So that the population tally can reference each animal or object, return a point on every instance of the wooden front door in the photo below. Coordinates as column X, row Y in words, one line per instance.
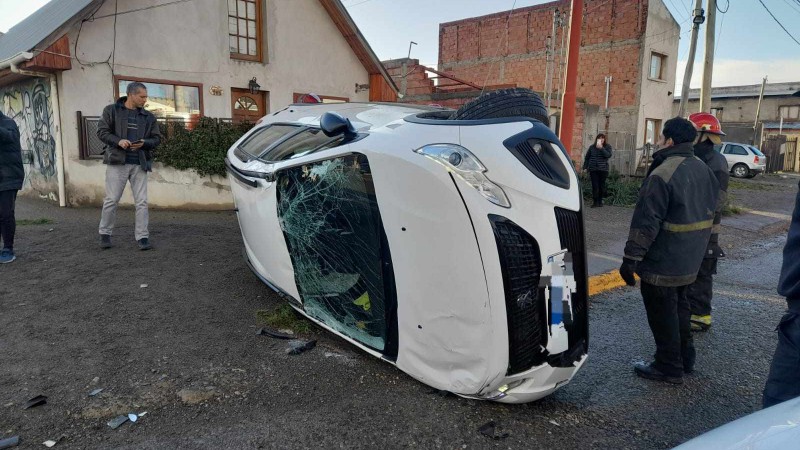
column 248, row 107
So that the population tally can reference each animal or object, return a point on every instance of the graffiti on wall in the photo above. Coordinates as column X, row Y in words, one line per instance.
column 28, row 103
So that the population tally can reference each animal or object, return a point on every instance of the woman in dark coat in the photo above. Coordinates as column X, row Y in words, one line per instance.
column 11, row 177
column 596, row 162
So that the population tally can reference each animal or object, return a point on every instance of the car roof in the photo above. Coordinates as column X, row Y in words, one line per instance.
column 364, row 116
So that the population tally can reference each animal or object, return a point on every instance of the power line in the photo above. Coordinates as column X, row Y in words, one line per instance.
column 792, row 5
column 779, row 22
column 726, row 8
column 144, row 9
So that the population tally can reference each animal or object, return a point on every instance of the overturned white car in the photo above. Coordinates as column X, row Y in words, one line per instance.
column 450, row 247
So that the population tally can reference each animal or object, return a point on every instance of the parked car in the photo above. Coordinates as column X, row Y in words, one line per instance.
column 744, row 161
column 453, row 249
column 774, row 428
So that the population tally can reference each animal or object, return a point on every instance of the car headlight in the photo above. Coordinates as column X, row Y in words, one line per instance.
column 466, row 166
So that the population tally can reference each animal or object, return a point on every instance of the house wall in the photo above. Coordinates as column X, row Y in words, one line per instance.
column 657, row 95
column 743, row 109
column 29, row 103
column 616, row 40
column 154, row 44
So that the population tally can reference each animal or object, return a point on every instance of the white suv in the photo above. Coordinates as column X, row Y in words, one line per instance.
column 744, row 161
column 453, row 249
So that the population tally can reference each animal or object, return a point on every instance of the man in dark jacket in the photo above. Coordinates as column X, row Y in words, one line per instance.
column 701, row 291
column 669, row 232
column 11, row 176
column 783, row 382
column 130, row 134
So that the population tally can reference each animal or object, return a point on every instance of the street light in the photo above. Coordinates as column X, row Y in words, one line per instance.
column 254, row 87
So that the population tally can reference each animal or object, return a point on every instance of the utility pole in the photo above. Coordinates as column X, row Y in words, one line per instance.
column 565, row 131
column 708, row 63
column 758, row 109
column 697, row 19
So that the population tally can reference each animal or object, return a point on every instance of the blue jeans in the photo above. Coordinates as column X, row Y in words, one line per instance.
column 783, row 382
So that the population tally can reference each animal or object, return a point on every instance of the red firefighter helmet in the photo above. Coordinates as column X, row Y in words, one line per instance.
column 706, row 123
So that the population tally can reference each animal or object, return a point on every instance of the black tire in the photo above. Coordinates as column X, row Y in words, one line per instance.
column 514, row 102
column 740, row 171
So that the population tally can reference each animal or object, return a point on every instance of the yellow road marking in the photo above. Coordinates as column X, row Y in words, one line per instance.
column 605, row 282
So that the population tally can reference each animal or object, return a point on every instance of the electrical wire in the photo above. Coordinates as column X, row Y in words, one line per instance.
column 114, row 41
column 497, row 51
column 143, row 9
column 779, row 22
column 726, row 8
column 792, row 5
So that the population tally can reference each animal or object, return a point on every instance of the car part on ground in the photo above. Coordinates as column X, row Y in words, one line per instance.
column 462, row 262
column 515, row 102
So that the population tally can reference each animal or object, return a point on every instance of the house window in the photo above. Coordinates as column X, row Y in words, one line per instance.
column 244, row 29
column 717, row 112
column 789, row 112
column 657, row 63
column 652, row 129
column 170, row 99
column 325, row 98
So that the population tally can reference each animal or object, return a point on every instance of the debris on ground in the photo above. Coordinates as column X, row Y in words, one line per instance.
column 51, row 443
column 95, row 392
column 13, row 441
column 35, row 401
column 297, row 346
column 555, row 423
column 266, row 331
column 133, row 417
column 95, row 380
column 142, row 285
column 117, row 422
column 493, row 430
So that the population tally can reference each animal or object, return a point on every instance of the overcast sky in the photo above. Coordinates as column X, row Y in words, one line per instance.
column 750, row 45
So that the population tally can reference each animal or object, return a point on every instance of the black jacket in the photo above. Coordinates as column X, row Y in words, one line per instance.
column 673, row 218
column 789, row 282
column 597, row 158
column 11, row 171
column 719, row 165
column 113, row 127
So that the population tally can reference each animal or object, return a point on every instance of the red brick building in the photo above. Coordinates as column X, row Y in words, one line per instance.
column 631, row 43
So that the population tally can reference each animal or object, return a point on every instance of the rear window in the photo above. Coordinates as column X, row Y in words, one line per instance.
column 757, row 151
column 262, row 138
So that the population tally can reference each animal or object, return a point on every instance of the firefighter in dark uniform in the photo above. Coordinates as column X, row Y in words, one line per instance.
column 670, row 229
column 700, row 292
column 783, row 382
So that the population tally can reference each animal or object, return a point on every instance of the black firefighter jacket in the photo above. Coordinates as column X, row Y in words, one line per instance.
column 11, row 171
column 672, row 221
column 719, row 165
column 113, row 127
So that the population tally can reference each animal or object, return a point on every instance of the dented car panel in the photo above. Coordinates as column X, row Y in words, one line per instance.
column 453, row 249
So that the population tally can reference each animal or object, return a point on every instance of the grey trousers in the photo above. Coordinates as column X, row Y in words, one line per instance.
column 117, row 176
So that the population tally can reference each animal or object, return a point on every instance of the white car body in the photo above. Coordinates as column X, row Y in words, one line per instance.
column 774, row 428
column 744, row 161
column 442, row 283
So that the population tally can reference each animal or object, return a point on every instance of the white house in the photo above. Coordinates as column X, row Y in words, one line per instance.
column 64, row 63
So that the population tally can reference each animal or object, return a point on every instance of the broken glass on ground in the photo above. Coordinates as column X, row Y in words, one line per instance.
column 13, row 441
column 297, row 346
column 35, row 401
column 493, row 430
column 95, row 392
column 330, row 219
column 117, row 422
column 266, row 331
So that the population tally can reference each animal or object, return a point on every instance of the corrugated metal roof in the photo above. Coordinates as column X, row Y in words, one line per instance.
column 786, row 125
column 752, row 90
column 25, row 35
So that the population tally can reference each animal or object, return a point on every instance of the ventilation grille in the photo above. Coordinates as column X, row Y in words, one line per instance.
column 521, row 265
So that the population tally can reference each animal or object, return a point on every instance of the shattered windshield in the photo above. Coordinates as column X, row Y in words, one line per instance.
column 330, row 219
column 262, row 138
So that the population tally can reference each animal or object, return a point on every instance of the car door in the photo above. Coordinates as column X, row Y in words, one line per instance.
column 735, row 154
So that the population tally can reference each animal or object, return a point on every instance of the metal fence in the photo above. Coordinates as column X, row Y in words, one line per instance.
column 91, row 147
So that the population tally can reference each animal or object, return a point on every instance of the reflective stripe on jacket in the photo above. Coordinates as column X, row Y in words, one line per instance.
column 673, row 218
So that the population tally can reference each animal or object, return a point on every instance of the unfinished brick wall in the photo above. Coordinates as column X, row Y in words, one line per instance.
column 503, row 49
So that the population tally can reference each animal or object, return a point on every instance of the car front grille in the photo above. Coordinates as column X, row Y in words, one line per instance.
column 570, row 231
column 521, row 264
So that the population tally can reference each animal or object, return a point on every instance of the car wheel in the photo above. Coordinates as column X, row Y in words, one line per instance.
column 740, row 171
column 504, row 103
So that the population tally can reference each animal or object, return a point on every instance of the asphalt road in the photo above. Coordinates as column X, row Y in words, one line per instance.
column 74, row 318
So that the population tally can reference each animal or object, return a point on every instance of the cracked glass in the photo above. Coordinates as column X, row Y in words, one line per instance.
column 330, row 219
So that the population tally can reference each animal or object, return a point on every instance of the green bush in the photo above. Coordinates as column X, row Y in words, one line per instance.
column 622, row 191
column 202, row 149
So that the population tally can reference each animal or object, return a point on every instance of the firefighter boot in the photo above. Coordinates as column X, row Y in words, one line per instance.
column 700, row 323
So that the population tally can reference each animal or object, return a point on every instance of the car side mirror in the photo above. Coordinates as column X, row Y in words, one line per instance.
column 333, row 124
